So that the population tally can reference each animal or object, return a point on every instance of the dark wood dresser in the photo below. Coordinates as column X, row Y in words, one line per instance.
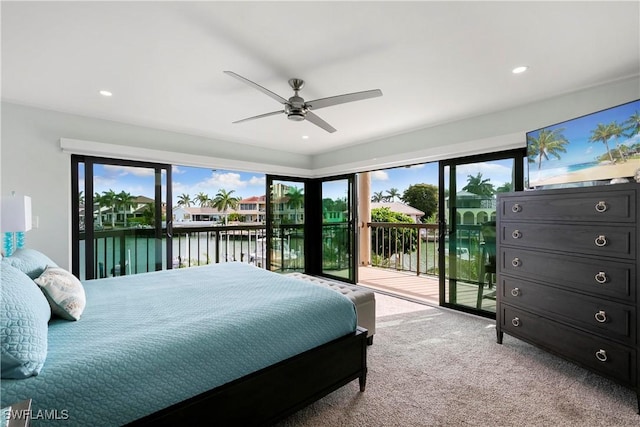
column 568, row 275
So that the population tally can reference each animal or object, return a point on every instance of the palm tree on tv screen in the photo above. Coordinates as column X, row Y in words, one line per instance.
column 632, row 124
column 548, row 143
column 603, row 133
column 617, row 132
column 632, row 128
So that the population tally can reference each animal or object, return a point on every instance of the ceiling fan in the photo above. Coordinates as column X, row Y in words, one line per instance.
column 297, row 109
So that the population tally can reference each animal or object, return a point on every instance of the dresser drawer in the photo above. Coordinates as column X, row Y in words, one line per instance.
column 606, row 205
column 598, row 239
column 607, row 318
column 605, row 278
column 605, row 357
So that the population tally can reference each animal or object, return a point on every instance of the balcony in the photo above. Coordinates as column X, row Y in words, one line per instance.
column 404, row 256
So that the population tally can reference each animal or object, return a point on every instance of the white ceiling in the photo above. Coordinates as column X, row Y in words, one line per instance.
column 435, row 62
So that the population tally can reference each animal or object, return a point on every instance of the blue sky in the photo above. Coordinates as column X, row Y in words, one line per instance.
column 191, row 180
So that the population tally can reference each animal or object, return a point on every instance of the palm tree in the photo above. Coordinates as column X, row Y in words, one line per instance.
column 392, row 194
column 507, row 187
column 224, row 200
column 184, row 200
column 479, row 186
column 125, row 201
column 632, row 124
column 202, row 199
column 296, row 200
column 548, row 143
column 109, row 199
column 149, row 214
column 602, row 133
column 618, row 131
column 101, row 202
column 377, row 197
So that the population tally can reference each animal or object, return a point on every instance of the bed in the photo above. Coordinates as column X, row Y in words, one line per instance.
column 226, row 342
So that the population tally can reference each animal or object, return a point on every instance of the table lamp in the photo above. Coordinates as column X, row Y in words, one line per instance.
column 16, row 219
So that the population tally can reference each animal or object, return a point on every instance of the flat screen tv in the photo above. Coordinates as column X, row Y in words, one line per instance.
column 599, row 148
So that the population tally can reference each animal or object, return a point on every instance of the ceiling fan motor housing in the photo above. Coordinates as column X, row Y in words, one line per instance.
column 296, row 109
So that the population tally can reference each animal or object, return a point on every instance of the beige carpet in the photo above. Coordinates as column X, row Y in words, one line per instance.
column 435, row 367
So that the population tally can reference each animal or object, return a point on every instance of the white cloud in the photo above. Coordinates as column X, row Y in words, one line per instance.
column 379, row 176
column 257, row 180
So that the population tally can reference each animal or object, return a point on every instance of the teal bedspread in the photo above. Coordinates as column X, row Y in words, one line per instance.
column 147, row 341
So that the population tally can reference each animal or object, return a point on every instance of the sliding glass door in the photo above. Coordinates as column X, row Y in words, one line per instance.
column 311, row 226
column 467, row 244
column 121, row 217
column 338, row 228
column 283, row 250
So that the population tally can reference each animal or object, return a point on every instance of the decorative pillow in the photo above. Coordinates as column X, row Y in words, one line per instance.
column 30, row 262
column 63, row 291
column 24, row 318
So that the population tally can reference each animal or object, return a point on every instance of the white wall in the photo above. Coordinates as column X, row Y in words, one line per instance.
column 33, row 163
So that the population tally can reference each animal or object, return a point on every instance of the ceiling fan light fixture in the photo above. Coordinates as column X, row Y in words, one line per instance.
column 296, row 116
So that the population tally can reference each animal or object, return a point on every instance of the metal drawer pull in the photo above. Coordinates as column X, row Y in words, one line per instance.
column 515, row 292
column 601, row 206
column 515, row 322
column 516, row 208
column 516, row 262
column 601, row 240
column 601, row 355
column 601, row 316
column 516, row 234
column 601, row 277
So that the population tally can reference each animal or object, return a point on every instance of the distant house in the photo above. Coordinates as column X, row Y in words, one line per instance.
column 197, row 214
column 139, row 205
column 473, row 209
column 398, row 207
column 253, row 209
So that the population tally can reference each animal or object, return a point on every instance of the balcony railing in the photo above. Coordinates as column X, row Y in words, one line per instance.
column 405, row 247
column 414, row 248
column 398, row 246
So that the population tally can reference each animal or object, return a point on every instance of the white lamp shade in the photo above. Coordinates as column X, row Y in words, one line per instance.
column 16, row 214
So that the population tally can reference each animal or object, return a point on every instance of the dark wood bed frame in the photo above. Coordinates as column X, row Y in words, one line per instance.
column 275, row 392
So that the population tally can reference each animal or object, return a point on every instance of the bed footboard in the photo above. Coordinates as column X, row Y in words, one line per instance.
column 271, row 394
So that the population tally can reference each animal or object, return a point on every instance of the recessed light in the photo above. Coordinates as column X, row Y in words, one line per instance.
column 105, row 93
column 305, row 136
column 519, row 70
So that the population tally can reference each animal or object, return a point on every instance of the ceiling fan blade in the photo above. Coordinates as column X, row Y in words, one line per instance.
column 273, row 113
column 319, row 122
column 341, row 99
column 257, row 86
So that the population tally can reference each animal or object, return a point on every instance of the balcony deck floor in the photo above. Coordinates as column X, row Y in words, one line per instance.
column 422, row 289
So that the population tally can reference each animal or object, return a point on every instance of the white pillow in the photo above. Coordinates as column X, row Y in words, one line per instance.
column 63, row 291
